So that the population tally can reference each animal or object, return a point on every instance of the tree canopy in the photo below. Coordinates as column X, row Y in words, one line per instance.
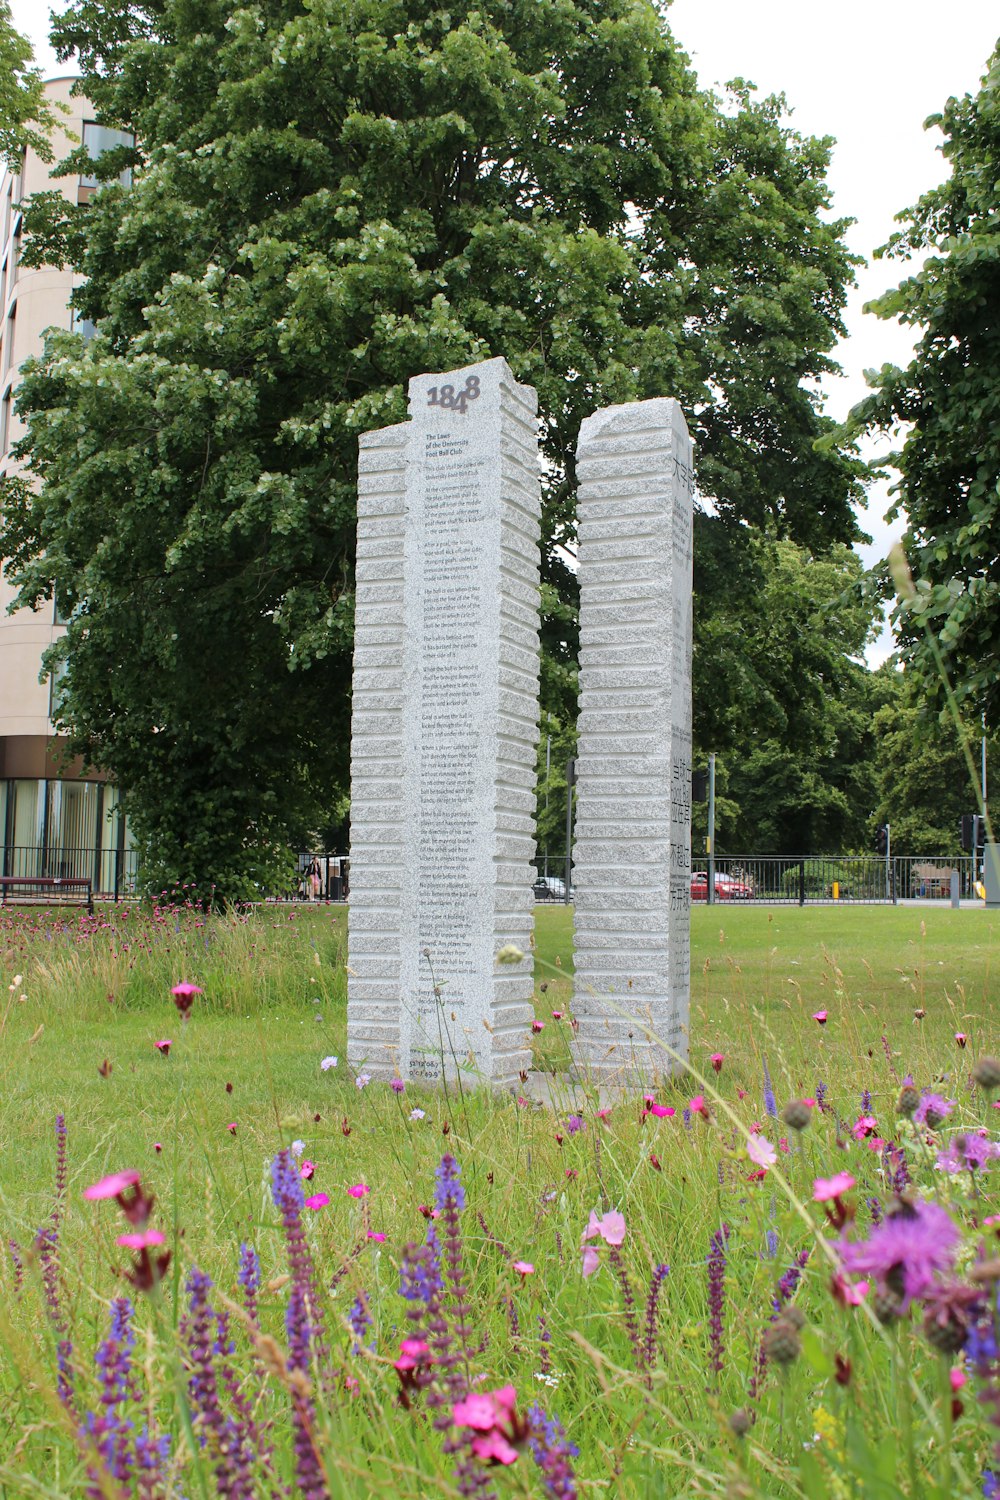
column 945, row 405
column 26, row 117
column 327, row 200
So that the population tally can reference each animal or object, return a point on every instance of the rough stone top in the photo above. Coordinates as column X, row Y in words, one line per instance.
column 490, row 372
column 635, row 417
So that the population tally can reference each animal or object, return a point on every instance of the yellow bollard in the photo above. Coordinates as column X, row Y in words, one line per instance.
column 836, row 890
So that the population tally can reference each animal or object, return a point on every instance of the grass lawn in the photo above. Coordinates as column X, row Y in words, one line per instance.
column 243, row 1079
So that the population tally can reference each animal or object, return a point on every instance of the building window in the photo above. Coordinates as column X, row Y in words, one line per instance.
column 5, row 422
column 98, row 139
column 8, row 349
column 15, row 255
column 83, row 326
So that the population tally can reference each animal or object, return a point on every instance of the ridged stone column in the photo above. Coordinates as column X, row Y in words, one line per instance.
column 632, row 850
column 445, row 729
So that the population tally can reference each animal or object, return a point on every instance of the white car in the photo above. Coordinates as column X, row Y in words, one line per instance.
column 549, row 888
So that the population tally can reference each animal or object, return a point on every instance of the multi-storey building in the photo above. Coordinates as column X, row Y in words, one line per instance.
column 56, row 818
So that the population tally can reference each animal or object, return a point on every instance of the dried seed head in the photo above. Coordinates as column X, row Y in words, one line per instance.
column 740, row 1422
column 987, row 1074
column 907, row 1101
column 781, row 1343
column 796, row 1114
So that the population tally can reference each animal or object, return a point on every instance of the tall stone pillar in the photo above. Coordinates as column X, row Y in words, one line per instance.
column 632, row 851
column 445, row 730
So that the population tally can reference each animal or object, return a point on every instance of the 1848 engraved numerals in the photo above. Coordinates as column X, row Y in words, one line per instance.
column 446, row 395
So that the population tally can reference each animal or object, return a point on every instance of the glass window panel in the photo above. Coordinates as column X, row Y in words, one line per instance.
column 101, row 138
column 72, row 828
column 28, row 854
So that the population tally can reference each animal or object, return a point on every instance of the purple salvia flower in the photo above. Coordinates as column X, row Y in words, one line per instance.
column 544, row 1340
column 716, row 1297
column 60, row 1194
column 628, row 1299
column 875, row 1209
column 513, row 1323
column 450, row 1197
column 308, row 1467
column 289, row 1200
column 360, row 1320
column 447, row 1185
column 686, row 1116
column 656, row 1281
column 15, row 1255
column 866, row 1101
column 888, row 1057
column 821, row 1097
column 108, row 1429
column 552, row 1454
column 771, row 1243
column 770, row 1102
column 151, row 1458
column 233, row 1461
column 249, row 1278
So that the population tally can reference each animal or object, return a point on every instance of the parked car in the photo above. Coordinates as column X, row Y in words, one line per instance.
column 549, row 888
column 727, row 887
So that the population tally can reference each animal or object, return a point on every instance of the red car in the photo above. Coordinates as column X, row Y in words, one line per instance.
column 727, row 888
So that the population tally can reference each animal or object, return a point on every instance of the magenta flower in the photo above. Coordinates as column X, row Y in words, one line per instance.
column 907, row 1251
column 537, row 1026
column 825, row 1188
column 307, row 1171
column 591, row 1260
column 932, row 1110
column 183, row 995
column 494, row 1447
column 397, row 1085
column 317, row 1201
column 524, row 1268
column 164, row 1045
column 820, row 1016
column 492, row 1418
column 374, row 1234
column 717, row 1059
column 359, row 1190
column 848, row 1293
column 961, row 1038
column 661, row 1111
column 864, row 1125
column 112, row 1186
column 231, row 1127
column 142, row 1241
column 412, row 1354
column 698, row 1105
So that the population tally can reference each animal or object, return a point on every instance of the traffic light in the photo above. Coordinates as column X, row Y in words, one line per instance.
column 882, row 839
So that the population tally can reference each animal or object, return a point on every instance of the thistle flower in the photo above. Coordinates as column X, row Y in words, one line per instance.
column 907, row 1252
column 932, row 1110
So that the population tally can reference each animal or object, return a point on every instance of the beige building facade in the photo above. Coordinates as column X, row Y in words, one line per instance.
column 56, row 819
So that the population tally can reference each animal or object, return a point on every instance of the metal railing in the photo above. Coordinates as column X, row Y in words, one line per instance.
column 331, row 883
column 113, row 873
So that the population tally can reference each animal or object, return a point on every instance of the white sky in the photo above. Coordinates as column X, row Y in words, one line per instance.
column 867, row 72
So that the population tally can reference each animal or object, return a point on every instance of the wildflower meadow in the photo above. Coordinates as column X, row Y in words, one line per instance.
column 232, row 1265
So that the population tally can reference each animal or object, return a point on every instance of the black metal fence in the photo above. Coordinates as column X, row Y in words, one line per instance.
column 113, row 873
column 321, row 877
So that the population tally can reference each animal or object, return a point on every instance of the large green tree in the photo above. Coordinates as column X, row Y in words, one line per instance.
column 946, row 406
column 26, row 117
column 788, row 700
column 326, row 200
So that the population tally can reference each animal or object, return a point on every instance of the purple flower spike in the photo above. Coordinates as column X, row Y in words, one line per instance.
column 716, row 1297
column 552, row 1454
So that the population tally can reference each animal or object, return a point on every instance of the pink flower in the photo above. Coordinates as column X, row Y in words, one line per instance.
column 164, row 1045
column 359, row 1190
column 603, row 1114
column 610, row 1227
column 307, row 1171
column 847, row 1293
column 863, row 1126
column 537, row 1026
column 875, row 1143
column 484, row 1410
column 397, row 1085
column 112, row 1186
column 717, row 1059
column 317, row 1201
column 825, row 1188
column 961, row 1038
column 231, row 1127
column 697, row 1105
column 557, row 1015
column 143, row 1241
column 820, row 1016
column 377, row 1236
column 157, row 1147
column 183, row 995
column 412, row 1352
column 524, row 1268
column 761, row 1151
column 494, row 1447
column 661, row 1111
